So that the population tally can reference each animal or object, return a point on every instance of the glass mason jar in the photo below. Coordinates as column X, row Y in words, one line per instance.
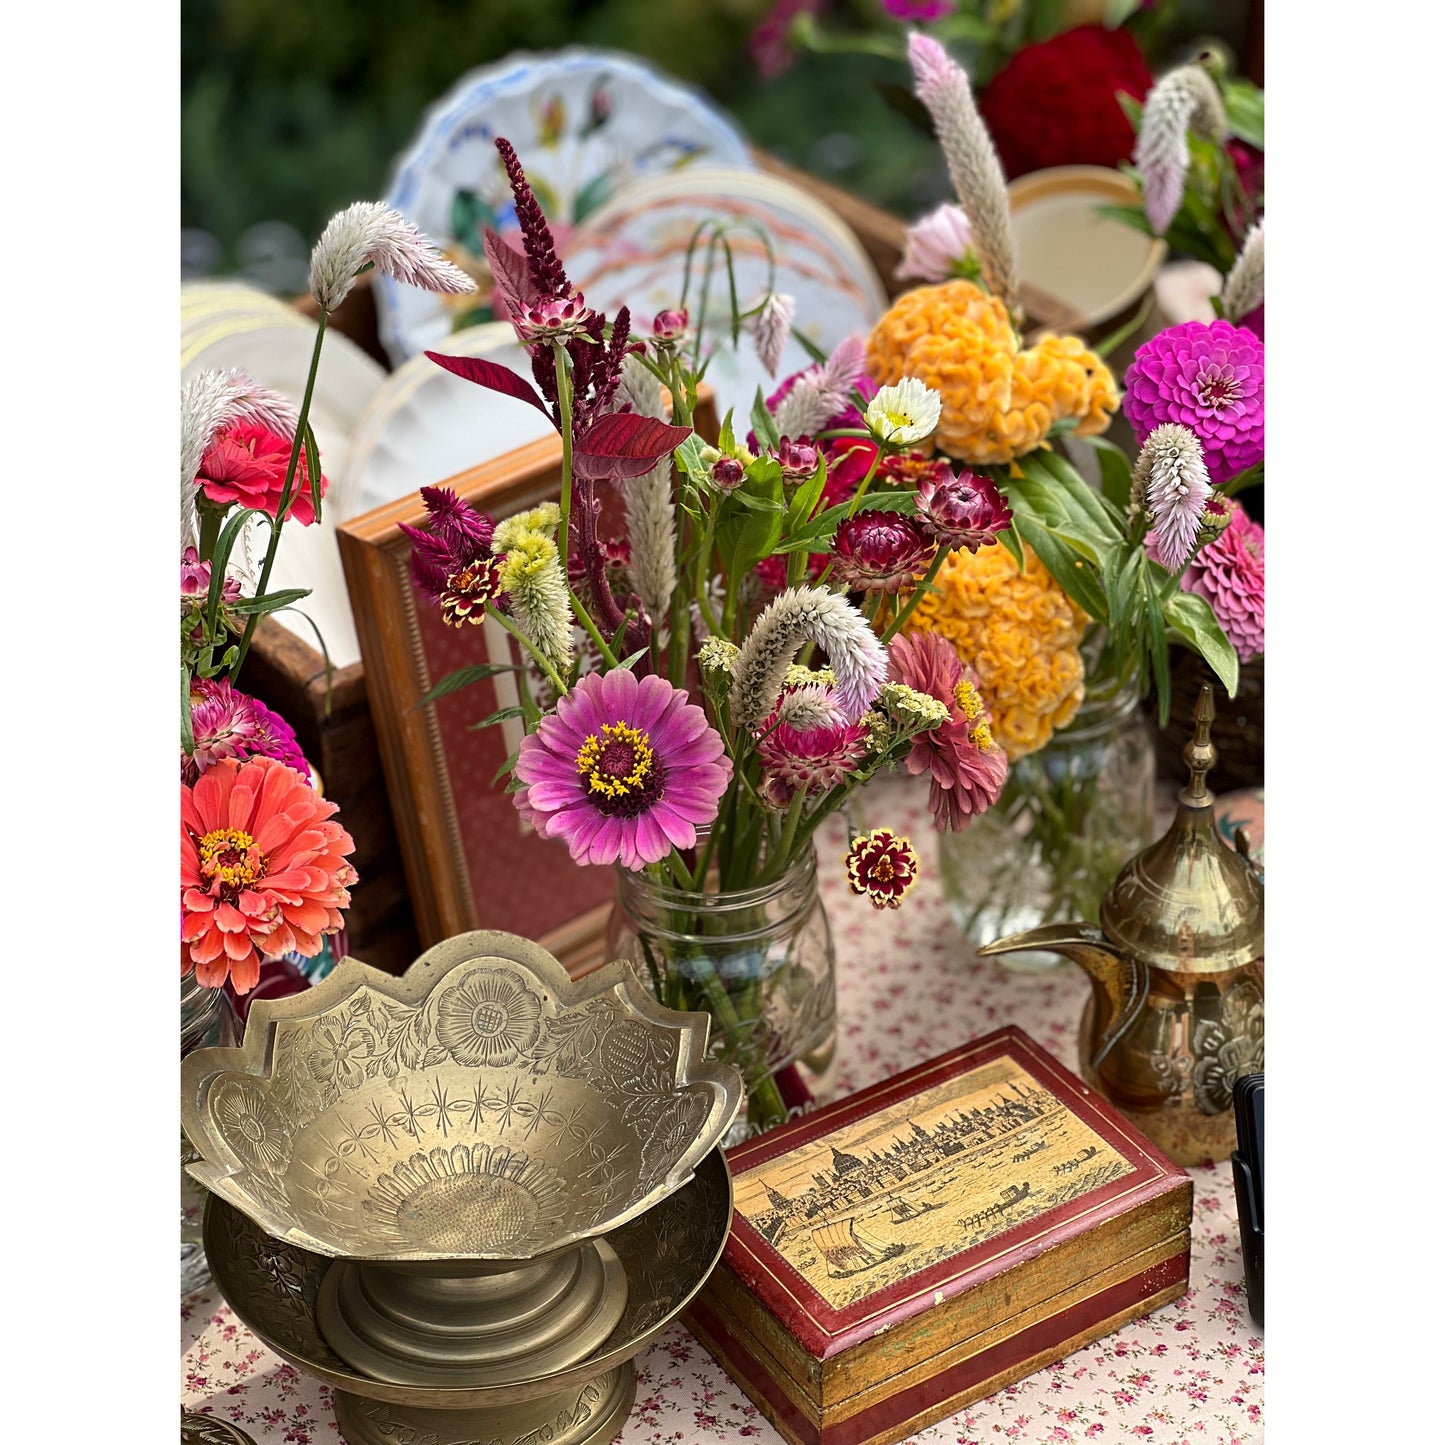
column 207, row 1020
column 760, row 962
column 1069, row 818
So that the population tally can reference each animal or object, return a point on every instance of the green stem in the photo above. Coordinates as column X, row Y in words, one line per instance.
column 591, row 628
column 537, row 656
column 866, row 482
column 286, row 494
column 211, row 517
column 704, row 558
column 906, row 611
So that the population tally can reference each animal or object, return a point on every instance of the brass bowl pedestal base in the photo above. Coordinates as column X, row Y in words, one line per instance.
column 590, row 1414
column 474, row 1323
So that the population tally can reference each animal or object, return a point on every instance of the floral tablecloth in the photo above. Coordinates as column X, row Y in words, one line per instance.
column 907, row 990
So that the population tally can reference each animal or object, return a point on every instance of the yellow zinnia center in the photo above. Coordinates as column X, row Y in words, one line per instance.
column 231, row 858
column 619, row 763
column 969, row 700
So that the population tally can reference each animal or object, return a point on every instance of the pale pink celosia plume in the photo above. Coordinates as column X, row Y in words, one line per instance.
column 1174, row 483
column 212, row 401
column 1185, row 97
column 935, row 244
column 1244, row 286
column 369, row 232
column 973, row 164
column 821, row 392
column 771, row 327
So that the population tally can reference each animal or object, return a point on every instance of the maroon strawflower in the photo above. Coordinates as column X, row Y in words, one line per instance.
column 881, row 551
column 1054, row 103
column 727, row 474
column 881, row 866
column 798, row 459
column 966, row 510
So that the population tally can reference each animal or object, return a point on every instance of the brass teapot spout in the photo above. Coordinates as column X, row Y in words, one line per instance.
column 1177, row 964
column 1121, row 983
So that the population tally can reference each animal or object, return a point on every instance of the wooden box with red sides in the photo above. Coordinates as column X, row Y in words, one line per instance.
column 925, row 1242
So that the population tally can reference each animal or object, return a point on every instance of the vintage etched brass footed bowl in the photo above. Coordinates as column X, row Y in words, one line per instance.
column 454, row 1154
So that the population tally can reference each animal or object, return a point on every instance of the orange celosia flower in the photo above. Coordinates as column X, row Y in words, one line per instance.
column 999, row 401
column 1019, row 632
column 263, row 870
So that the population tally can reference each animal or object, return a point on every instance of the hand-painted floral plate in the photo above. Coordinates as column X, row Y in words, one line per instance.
column 583, row 122
column 634, row 250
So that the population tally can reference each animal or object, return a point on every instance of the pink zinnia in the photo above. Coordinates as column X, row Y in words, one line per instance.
column 624, row 771
column 881, row 551
column 230, row 724
column 967, row 767
column 263, row 870
column 1208, row 378
column 1229, row 575
column 247, row 465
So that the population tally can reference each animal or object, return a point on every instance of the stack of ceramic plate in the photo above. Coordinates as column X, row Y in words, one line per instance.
column 424, row 424
column 583, row 123
column 225, row 325
column 634, row 249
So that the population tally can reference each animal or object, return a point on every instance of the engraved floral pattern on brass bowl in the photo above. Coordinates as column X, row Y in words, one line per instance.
column 667, row 1254
column 483, row 1106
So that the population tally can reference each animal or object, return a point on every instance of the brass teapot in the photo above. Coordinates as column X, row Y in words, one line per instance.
column 1177, row 964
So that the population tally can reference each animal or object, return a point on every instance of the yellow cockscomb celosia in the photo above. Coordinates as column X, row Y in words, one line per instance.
column 1019, row 632
column 998, row 401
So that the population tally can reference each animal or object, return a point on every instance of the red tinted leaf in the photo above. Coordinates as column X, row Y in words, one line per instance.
column 510, row 277
column 629, row 437
column 494, row 377
column 609, row 469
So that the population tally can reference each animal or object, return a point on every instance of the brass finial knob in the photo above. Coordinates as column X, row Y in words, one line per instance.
column 1199, row 752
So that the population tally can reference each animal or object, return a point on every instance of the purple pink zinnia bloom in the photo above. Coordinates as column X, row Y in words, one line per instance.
column 624, row 771
column 1229, row 575
column 1209, row 379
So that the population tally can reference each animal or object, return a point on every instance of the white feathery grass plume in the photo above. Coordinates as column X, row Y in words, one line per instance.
column 211, row 401
column 771, row 327
column 648, row 505
column 1185, row 97
column 371, row 232
column 973, row 164
column 533, row 580
column 821, row 392
column 1244, row 286
column 808, row 707
column 857, row 659
column 1174, row 482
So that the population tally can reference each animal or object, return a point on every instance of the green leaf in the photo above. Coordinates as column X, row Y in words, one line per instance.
column 1193, row 618
column 690, row 455
column 818, row 533
column 220, row 556
column 1131, row 107
column 501, row 715
column 805, row 498
column 508, row 764
column 271, row 602
column 1116, row 477
column 811, row 347
column 313, row 469
column 591, row 196
column 757, row 504
column 325, row 655
column 1244, row 111
column 747, row 532
column 631, row 659
column 1250, row 477
column 1116, row 12
column 764, row 427
column 1120, row 575
column 188, row 735
column 1012, row 545
column 465, row 677
column 1065, row 567
column 1130, row 215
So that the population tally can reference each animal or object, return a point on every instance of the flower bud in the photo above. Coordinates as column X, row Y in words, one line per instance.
column 727, row 474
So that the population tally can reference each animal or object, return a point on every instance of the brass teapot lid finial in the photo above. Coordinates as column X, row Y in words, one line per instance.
column 1189, row 903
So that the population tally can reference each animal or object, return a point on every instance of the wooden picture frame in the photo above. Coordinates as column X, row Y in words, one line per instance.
column 471, row 862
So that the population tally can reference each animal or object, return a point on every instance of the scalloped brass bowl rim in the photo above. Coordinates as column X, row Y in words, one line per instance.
column 225, row 1174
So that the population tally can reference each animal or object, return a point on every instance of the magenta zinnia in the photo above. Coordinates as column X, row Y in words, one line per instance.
column 966, row 765
column 881, row 551
column 966, row 510
column 882, row 866
column 624, row 771
column 230, row 724
column 1208, row 378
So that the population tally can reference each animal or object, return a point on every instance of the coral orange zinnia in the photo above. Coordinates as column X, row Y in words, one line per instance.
column 263, row 870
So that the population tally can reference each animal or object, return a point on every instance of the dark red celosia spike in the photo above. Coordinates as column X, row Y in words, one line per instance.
column 546, row 270
column 431, row 560
column 618, row 346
